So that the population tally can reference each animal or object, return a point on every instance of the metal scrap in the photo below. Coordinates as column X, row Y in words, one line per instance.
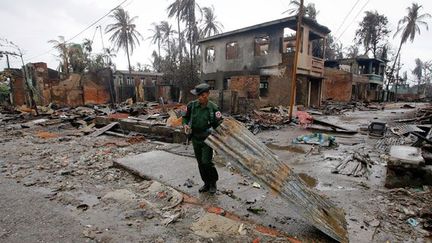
column 405, row 129
column 239, row 146
column 384, row 144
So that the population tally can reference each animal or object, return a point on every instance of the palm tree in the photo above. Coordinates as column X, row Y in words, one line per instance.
column 167, row 32
column 409, row 26
column 184, row 10
column 175, row 9
column 156, row 38
column 309, row 10
column 210, row 26
column 61, row 46
column 124, row 34
column 108, row 54
column 87, row 45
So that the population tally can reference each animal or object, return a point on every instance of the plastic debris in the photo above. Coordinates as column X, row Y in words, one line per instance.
column 321, row 139
column 256, row 185
column 412, row 222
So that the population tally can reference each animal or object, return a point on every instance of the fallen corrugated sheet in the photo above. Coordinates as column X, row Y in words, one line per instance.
column 404, row 129
column 242, row 149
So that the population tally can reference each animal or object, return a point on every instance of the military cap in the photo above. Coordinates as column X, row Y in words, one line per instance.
column 200, row 88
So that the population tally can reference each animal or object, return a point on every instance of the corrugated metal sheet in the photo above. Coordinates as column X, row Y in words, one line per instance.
column 404, row 129
column 233, row 141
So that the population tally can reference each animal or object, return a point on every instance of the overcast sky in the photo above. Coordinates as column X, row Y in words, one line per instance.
column 30, row 24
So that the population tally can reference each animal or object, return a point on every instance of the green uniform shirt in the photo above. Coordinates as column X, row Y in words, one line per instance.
column 201, row 119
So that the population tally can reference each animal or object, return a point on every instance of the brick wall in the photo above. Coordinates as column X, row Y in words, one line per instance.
column 248, row 83
column 337, row 85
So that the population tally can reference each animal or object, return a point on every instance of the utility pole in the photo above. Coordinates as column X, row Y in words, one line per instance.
column 297, row 52
column 7, row 61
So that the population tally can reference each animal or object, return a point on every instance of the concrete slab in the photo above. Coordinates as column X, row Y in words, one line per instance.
column 406, row 155
column 174, row 170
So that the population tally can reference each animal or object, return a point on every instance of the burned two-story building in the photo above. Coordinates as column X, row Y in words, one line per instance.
column 366, row 76
column 254, row 64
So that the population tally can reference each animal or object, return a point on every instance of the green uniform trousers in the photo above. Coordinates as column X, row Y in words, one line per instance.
column 204, row 156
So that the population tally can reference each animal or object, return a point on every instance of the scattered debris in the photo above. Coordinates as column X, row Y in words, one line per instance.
column 386, row 143
column 259, row 210
column 405, row 129
column 83, row 207
column 189, row 183
column 356, row 165
column 423, row 115
column 377, row 128
column 326, row 126
column 170, row 218
column 256, row 185
column 316, row 139
column 104, row 129
column 304, row 119
column 412, row 222
column 46, row 135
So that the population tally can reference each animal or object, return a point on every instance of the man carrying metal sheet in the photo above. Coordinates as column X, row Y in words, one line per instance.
column 201, row 117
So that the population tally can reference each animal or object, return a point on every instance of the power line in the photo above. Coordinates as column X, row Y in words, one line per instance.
column 88, row 27
column 94, row 34
column 346, row 16
column 95, row 22
column 360, row 11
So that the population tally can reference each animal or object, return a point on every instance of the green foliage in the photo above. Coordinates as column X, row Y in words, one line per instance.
column 4, row 91
column 77, row 59
column 372, row 32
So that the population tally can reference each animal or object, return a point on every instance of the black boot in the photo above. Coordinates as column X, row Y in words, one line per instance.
column 204, row 188
column 212, row 188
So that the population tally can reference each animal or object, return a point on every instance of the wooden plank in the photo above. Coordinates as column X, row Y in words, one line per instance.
column 102, row 130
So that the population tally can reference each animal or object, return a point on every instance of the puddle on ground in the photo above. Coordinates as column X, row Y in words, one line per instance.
column 290, row 148
column 309, row 180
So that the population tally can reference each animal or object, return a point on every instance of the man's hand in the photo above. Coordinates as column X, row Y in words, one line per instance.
column 187, row 129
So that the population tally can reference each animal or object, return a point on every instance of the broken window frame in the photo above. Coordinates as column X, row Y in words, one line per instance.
column 264, row 87
column 210, row 57
column 262, row 45
column 226, row 83
column 288, row 44
column 231, row 50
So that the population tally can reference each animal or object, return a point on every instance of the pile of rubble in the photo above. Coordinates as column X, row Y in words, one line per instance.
column 87, row 119
column 406, row 211
column 330, row 107
column 422, row 116
column 265, row 119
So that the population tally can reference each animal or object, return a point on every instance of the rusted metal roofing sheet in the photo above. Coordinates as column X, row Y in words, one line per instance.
column 404, row 129
column 240, row 147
